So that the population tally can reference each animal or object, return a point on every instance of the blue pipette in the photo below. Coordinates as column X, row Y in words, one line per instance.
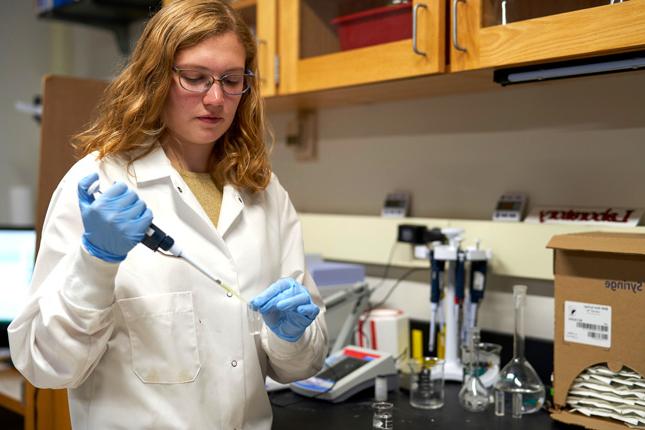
column 478, row 273
column 155, row 239
column 460, row 287
column 436, row 270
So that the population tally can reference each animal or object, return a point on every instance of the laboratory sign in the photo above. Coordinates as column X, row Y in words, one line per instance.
column 608, row 216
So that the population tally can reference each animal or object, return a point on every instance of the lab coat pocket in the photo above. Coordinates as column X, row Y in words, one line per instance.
column 163, row 338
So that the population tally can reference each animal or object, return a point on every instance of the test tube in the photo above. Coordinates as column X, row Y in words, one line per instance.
column 254, row 319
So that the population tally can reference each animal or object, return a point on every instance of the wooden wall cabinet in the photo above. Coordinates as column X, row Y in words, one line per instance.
column 541, row 31
column 299, row 48
column 261, row 16
column 312, row 56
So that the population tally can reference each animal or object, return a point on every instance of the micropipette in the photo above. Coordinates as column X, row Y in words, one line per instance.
column 478, row 268
column 460, row 289
column 155, row 238
column 436, row 270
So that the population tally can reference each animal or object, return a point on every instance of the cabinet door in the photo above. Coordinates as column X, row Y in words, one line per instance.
column 492, row 33
column 261, row 16
column 338, row 43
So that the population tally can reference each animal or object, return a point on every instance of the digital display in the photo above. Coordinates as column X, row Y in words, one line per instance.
column 17, row 250
column 341, row 369
column 505, row 205
column 391, row 203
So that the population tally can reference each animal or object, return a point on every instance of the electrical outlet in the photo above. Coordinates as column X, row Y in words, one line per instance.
column 421, row 252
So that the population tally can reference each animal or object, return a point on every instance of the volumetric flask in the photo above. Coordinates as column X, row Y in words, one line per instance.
column 519, row 387
column 382, row 418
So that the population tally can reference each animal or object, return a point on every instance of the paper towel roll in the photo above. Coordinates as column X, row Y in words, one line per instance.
column 21, row 205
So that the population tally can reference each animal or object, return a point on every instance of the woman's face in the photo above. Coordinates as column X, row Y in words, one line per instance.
column 202, row 118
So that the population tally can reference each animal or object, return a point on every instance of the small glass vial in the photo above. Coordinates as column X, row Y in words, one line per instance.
column 254, row 320
column 382, row 418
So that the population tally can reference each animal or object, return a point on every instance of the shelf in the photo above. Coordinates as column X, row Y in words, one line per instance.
column 102, row 12
column 519, row 249
column 114, row 15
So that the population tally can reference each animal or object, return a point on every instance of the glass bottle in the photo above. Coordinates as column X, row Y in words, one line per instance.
column 473, row 396
column 519, row 386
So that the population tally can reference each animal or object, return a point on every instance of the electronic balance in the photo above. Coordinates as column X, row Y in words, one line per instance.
column 347, row 372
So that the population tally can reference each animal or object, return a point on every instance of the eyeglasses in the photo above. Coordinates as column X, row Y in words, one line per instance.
column 197, row 81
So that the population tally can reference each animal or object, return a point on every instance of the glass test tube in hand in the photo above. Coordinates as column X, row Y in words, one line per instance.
column 254, row 320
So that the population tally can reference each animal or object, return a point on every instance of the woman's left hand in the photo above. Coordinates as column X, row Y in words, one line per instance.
column 287, row 309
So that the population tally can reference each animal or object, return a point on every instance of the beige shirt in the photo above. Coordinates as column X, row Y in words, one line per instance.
column 207, row 192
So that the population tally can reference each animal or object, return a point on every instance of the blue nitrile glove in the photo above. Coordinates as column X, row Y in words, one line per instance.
column 114, row 222
column 287, row 309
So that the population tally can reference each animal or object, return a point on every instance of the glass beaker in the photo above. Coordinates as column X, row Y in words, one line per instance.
column 519, row 387
column 383, row 417
column 473, row 395
column 488, row 365
column 426, row 382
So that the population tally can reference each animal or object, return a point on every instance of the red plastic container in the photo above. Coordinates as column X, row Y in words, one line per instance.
column 374, row 26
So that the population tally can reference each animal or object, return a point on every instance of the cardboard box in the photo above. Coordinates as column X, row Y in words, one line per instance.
column 600, row 277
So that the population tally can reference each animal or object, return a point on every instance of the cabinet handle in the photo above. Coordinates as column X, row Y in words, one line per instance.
column 455, row 42
column 415, row 48
column 261, row 42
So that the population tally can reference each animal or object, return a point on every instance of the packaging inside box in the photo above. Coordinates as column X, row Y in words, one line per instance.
column 599, row 324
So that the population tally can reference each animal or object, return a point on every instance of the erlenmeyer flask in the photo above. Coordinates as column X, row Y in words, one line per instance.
column 519, row 387
column 473, row 396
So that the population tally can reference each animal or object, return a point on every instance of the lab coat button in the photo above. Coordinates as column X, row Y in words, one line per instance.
column 179, row 189
column 239, row 199
column 229, row 294
column 234, row 363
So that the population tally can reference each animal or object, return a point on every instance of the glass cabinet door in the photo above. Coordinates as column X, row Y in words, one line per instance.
column 261, row 16
column 491, row 33
column 336, row 43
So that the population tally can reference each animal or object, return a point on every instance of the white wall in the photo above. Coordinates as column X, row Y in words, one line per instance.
column 31, row 48
column 577, row 142
column 25, row 53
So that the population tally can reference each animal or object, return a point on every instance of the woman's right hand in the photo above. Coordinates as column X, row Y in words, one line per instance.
column 114, row 221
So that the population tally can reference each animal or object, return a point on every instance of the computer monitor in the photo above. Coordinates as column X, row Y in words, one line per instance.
column 17, row 251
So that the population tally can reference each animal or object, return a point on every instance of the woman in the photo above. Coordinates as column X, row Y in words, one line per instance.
column 142, row 340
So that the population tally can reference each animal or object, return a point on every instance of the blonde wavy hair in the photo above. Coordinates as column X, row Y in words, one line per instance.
column 130, row 110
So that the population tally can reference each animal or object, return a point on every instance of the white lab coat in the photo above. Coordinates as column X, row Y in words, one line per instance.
column 151, row 343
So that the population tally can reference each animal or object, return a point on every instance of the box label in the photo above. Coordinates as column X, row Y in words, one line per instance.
column 587, row 323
